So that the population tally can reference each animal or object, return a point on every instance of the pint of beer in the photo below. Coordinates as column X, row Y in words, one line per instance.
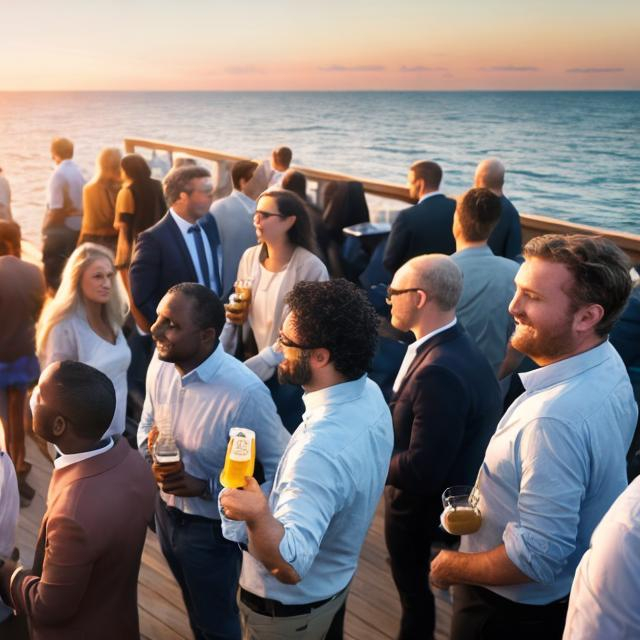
column 461, row 515
column 240, row 459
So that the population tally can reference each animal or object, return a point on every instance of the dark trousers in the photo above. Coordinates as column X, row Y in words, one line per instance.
column 409, row 536
column 207, row 568
column 58, row 243
column 480, row 614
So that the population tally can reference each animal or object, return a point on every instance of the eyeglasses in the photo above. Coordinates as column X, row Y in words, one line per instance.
column 283, row 341
column 397, row 292
column 267, row 214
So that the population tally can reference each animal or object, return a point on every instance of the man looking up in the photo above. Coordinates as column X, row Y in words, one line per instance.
column 63, row 218
column 506, row 238
column 84, row 580
column 305, row 538
column 197, row 393
column 445, row 406
column 487, row 283
column 425, row 227
column 557, row 460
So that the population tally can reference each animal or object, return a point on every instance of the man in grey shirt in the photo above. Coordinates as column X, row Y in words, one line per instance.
column 488, row 285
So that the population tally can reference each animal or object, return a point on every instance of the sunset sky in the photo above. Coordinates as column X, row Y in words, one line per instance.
column 324, row 45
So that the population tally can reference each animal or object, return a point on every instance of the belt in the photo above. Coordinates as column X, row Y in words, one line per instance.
column 275, row 609
column 181, row 516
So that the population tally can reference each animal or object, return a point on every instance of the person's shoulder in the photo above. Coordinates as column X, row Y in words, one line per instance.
column 158, row 229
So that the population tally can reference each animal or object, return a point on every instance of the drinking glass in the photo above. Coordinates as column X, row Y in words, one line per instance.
column 461, row 515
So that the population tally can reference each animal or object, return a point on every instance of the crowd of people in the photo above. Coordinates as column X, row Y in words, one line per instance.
column 501, row 373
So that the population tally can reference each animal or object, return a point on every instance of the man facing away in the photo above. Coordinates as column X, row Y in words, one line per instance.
column 197, row 393
column 557, row 460
column 63, row 219
column 445, row 407
column 305, row 538
column 506, row 238
column 182, row 247
column 84, row 580
column 487, row 285
column 280, row 163
column 425, row 227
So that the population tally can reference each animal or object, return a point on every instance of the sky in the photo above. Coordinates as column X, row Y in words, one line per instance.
column 321, row 45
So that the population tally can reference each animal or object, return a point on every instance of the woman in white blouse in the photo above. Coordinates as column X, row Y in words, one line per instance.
column 84, row 322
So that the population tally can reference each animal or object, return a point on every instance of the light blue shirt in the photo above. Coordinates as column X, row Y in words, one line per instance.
column 326, row 491
column 553, row 468
column 219, row 394
column 487, row 289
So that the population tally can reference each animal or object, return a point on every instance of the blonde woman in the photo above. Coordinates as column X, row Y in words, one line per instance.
column 84, row 322
column 99, row 200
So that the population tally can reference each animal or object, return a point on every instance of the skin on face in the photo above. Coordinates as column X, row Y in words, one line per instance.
column 403, row 305
column 295, row 368
column 46, row 421
column 97, row 281
column 177, row 337
column 413, row 185
column 271, row 229
column 201, row 196
column 542, row 311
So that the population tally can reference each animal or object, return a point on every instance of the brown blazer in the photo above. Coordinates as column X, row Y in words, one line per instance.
column 85, row 583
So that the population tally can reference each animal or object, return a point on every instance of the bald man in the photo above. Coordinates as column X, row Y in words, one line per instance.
column 506, row 238
column 445, row 407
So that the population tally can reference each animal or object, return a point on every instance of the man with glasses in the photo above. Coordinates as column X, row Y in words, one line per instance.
column 445, row 407
column 305, row 537
column 182, row 247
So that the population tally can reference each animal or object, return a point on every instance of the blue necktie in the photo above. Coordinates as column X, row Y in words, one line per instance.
column 202, row 256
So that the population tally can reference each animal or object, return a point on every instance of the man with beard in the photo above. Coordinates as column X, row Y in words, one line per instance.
column 305, row 538
column 557, row 460
column 197, row 393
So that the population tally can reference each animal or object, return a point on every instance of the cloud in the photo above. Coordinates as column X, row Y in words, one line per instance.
column 595, row 70
column 241, row 70
column 361, row 67
column 420, row 67
column 510, row 68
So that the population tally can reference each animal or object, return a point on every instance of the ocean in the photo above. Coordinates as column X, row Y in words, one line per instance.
column 569, row 155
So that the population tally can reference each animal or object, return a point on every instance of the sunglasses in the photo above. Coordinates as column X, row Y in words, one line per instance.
column 398, row 292
column 283, row 341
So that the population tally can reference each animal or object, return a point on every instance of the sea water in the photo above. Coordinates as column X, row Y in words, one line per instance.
column 569, row 155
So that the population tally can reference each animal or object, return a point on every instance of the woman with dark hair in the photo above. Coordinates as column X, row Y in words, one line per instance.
column 285, row 255
column 139, row 205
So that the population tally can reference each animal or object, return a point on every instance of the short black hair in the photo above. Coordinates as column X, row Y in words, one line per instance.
column 177, row 181
column 242, row 170
column 207, row 307
column 136, row 167
column 337, row 316
column 85, row 396
column 478, row 213
column 295, row 181
column 429, row 171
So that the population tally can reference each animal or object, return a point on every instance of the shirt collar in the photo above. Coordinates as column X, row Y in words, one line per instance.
column 249, row 203
column 414, row 346
column 429, row 195
column 335, row 394
column 205, row 371
column 183, row 224
column 476, row 251
column 67, row 459
column 564, row 369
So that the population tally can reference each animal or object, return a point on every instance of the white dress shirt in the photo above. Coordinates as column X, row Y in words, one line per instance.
column 412, row 351
column 67, row 459
column 65, row 184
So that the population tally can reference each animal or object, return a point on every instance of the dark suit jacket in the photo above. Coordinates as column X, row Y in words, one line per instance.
column 423, row 228
column 506, row 238
column 444, row 414
column 92, row 536
column 161, row 259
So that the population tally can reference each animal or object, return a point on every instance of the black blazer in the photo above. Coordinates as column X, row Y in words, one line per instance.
column 444, row 414
column 424, row 228
column 161, row 259
column 506, row 238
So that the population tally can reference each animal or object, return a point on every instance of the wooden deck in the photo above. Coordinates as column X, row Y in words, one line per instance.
column 372, row 611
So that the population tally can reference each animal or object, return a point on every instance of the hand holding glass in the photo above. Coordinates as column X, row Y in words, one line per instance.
column 240, row 459
column 461, row 515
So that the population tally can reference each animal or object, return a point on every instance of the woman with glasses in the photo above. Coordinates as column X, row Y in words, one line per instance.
column 83, row 322
column 285, row 255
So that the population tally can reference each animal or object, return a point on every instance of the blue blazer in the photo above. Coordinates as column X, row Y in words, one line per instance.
column 506, row 238
column 424, row 228
column 444, row 414
column 161, row 259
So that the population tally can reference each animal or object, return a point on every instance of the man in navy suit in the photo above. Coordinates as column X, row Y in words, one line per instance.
column 182, row 247
column 506, row 238
column 425, row 227
column 445, row 407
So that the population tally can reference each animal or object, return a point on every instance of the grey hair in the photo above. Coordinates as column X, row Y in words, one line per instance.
column 440, row 277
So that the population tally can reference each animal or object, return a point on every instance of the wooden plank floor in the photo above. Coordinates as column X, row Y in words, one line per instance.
column 373, row 610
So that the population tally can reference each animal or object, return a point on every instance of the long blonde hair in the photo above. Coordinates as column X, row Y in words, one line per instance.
column 69, row 296
column 108, row 165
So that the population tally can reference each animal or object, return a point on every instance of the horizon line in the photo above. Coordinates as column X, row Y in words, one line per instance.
column 501, row 90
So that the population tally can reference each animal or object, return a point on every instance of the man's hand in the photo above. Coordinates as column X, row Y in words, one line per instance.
column 440, row 574
column 248, row 503
column 173, row 479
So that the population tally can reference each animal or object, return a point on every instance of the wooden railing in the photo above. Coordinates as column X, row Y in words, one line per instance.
column 532, row 225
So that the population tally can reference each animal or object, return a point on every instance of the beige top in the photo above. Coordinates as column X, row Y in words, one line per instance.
column 98, row 205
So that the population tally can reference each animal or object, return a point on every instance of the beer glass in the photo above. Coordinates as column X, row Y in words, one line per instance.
column 461, row 515
column 240, row 459
column 165, row 449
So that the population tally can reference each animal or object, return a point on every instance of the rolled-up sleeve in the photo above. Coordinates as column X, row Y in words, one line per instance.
column 554, row 476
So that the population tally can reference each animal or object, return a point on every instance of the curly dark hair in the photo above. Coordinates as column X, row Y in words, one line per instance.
column 337, row 316
column 600, row 271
